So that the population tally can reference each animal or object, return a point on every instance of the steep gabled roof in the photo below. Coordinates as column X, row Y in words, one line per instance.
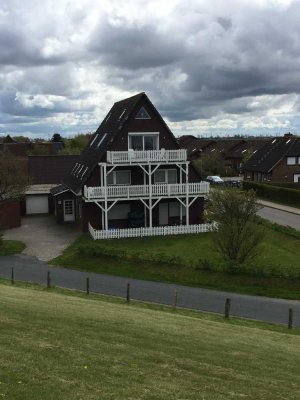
column 265, row 159
column 103, row 138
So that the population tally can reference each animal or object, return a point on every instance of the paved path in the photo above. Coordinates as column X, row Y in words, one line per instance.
column 280, row 217
column 261, row 308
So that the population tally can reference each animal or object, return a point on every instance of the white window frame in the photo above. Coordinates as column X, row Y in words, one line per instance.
column 114, row 175
column 143, row 134
column 291, row 160
column 166, row 171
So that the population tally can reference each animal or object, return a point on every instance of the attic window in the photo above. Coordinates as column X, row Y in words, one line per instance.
column 109, row 115
column 83, row 173
column 81, row 168
column 75, row 169
column 213, row 150
column 273, row 141
column 194, row 149
column 142, row 114
column 101, row 140
column 291, row 160
column 244, row 151
column 288, row 141
column 254, row 151
column 75, row 166
column 93, row 141
column 123, row 112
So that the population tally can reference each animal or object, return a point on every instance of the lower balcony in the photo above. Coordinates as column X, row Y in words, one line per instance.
column 144, row 191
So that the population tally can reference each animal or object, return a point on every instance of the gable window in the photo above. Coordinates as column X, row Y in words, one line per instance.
column 142, row 114
column 120, row 177
column 291, row 160
column 165, row 176
column 143, row 141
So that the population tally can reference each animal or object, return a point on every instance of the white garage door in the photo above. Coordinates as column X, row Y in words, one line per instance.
column 37, row 204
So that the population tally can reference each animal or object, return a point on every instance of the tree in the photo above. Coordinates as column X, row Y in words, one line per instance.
column 212, row 164
column 76, row 144
column 237, row 236
column 13, row 177
column 57, row 138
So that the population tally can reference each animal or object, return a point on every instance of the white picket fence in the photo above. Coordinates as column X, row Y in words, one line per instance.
column 154, row 231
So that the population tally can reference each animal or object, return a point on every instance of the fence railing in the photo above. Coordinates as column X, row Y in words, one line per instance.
column 136, row 191
column 138, row 156
column 154, row 231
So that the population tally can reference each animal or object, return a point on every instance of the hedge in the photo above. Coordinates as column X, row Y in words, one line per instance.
column 290, row 197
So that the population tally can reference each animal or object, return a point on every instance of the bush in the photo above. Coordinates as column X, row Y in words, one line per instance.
column 290, row 197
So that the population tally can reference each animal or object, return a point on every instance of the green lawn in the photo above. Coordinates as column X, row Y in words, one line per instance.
column 192, row 260
column 55, row 346
column 10, row 247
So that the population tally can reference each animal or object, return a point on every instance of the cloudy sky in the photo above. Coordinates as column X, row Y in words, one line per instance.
column 209, row 66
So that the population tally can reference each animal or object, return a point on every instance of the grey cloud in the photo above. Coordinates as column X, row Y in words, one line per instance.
column 133, row 47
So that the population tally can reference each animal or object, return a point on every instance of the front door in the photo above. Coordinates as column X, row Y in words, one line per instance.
column 163, row 214
column 69, row 214
column 296, row 178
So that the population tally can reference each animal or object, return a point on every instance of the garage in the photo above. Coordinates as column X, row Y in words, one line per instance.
column 37, row 204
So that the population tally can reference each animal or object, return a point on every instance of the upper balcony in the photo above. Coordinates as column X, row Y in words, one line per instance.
column 132, row 192
column 146, row 156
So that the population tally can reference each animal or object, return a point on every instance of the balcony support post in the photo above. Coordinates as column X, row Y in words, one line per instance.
column 180, row 205
column 150, row 196
column 187, row 194
column 105, row 198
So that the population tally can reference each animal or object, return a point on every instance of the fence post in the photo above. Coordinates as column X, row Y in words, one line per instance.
column 290, row 323
column 87, row 285
column 12, row 275
column 227, row 308
column 175, row 300
column 128, row 293
column 48, row 280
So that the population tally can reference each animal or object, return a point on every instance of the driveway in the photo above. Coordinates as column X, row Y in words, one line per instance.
column 43, row 237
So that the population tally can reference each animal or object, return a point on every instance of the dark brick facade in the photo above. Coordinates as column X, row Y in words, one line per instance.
column 10, row 214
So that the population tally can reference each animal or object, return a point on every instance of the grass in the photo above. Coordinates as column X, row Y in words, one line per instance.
column 191, row 260
column 58, row 346
column 10, row 247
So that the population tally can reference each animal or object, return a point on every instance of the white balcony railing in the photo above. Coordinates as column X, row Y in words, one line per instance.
column 137, row 191
column 147, row 156
column 154, row 231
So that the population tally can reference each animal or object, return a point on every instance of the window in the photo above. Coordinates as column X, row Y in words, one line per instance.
column 119, row 211
column 101, row 140
column 120, row 177
column 291, row 161
column 165, row 176
column 143, row 141
column 94, row 139
column 142, row 114
column 121, row 115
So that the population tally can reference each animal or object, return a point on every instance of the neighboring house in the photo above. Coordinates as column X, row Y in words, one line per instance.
column 277, row 161
column 232, row 151
column 45, row 172
column 131, row 174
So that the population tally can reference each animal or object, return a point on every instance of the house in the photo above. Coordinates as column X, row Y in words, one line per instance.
column 232, row 151
column 45, row 172
column 132, row 174
column 277, row 161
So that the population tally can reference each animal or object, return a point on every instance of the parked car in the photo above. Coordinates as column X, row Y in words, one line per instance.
column 234, row 183
column 215, row 180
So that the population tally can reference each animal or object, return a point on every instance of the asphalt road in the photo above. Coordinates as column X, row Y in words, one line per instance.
column 280, row 217
column 254, row 307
